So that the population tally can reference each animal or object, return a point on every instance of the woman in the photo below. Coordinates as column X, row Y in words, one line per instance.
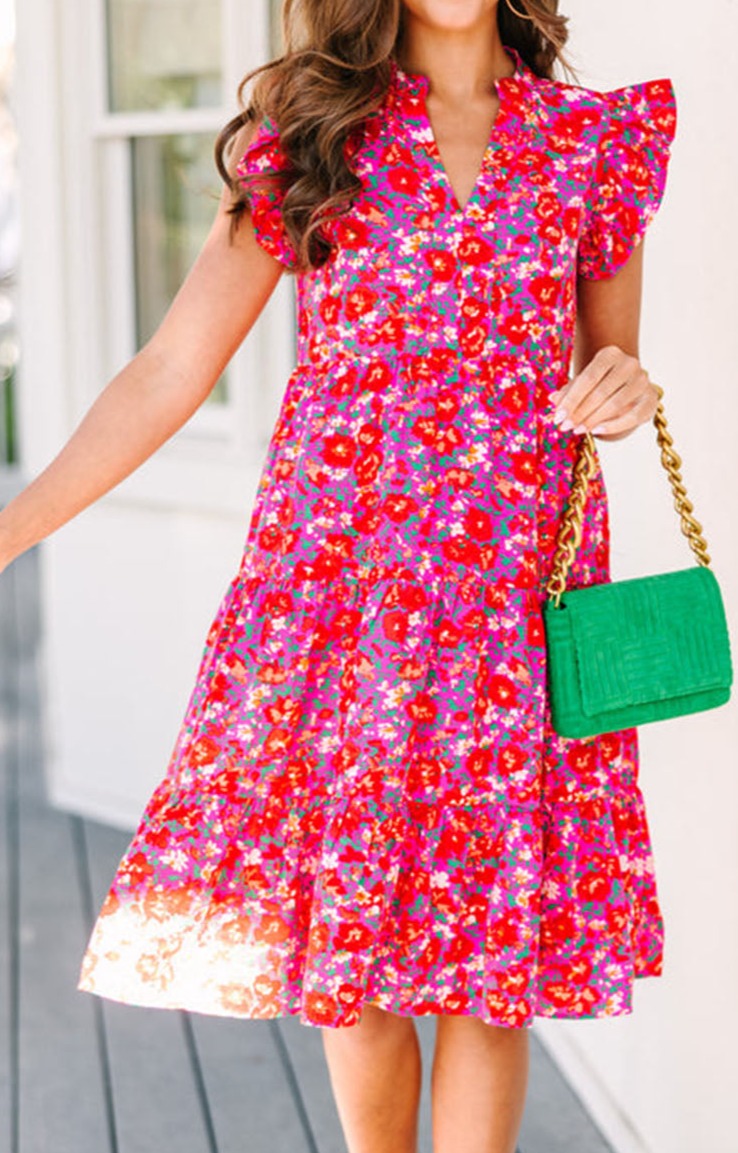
column 367, row 816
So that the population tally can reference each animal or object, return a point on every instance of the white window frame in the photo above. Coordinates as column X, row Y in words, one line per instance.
column 213, row 462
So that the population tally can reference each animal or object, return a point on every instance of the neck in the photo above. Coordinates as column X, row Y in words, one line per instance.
column 459, row 63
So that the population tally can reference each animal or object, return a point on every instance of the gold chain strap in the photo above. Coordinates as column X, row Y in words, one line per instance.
column 570, row 531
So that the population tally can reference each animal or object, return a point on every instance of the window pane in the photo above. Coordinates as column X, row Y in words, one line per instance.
column 174, row 202
column 164, row 54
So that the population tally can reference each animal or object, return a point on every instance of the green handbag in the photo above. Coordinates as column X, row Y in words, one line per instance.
column 623, row 653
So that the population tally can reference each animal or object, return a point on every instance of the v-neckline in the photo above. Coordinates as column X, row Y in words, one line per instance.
column 421, row 83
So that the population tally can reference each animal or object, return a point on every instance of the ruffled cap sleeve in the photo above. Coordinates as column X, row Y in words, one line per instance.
column 629, row 176
column 265, row 157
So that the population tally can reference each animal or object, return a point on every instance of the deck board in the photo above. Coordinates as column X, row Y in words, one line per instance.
column 59, row 1089
column 154, row 1087
column 8, row 859
column 253, row 1107
column 92, row 1076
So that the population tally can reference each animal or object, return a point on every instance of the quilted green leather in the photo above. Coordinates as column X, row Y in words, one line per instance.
column 624, row 653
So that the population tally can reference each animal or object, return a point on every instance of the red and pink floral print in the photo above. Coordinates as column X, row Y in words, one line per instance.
column 366, row 801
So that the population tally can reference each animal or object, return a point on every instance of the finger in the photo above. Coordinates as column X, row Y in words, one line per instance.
column 642, row 410
column 610, row 389
column 603, row 362
column 632, row 392
column 626, row 374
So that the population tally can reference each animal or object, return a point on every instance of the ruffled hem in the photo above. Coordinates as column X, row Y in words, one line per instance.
column 547, row 911
column 629, row 176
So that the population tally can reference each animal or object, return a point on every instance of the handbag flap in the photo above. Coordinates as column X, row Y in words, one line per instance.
column 647, row 639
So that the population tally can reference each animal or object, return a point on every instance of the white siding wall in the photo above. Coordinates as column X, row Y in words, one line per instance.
column 664, row 1079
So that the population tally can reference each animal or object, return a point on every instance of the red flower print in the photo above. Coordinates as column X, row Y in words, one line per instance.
column 319, row 937
column 456, row 1002
column 442, row 439
column 473, row 249
column 394, row 626
column 351, row 233
column 437, row 199
column 525, row 467
column 370, row 435
column 535, row 632
column 473, row 623
column 479, row 763
column 460, row 949
column 478, row 523
column 511, row 759
column 424, row 773
column 472, row 340
column 473, row 309
column 339, row 450
column 448, row 635
column 558, row 928
column 272, row 929
column 378, row 376
column 594, row 887
column 461, row 551
column 548, row 206
column 349, row 995
column 582, row 758
column 527, row 574
column 610, row 745
column 366, row 468
column 452, row 844
column 546, row 290
column 502, row 691
column 159, row 838
column 514, row 328
column 570, row 221
column 390, row 331
column 514, row 979
column 504, row 932
column 398, row 507
column 447, row 406
column 266, row 989
column 406, row 181
column 330, row 309
column 552, row 232
column 409, row 596
column 442, row 263
column 278, row 603
column 321, row 1008
column 138, row 867
column 360, row 301
column 204, row 750
column 353, row 936
column 568, row 130
column 515, row 398
column 422, row 708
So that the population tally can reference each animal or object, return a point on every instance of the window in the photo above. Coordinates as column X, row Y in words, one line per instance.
column 165, row 81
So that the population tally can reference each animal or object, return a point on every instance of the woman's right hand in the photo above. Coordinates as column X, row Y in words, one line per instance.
column 160, row 389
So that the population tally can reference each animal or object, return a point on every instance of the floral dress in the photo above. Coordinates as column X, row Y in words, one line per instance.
column 366, row 801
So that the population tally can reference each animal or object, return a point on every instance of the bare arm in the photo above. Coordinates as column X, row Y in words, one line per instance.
column 610, row 394
column 158, row 391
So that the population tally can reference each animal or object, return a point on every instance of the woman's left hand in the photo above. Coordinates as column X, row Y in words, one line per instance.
column 610, row 397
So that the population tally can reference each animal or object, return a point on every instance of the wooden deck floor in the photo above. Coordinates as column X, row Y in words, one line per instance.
column 82, row 1075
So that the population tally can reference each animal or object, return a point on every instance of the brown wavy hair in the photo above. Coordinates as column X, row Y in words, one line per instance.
column 333, row 73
